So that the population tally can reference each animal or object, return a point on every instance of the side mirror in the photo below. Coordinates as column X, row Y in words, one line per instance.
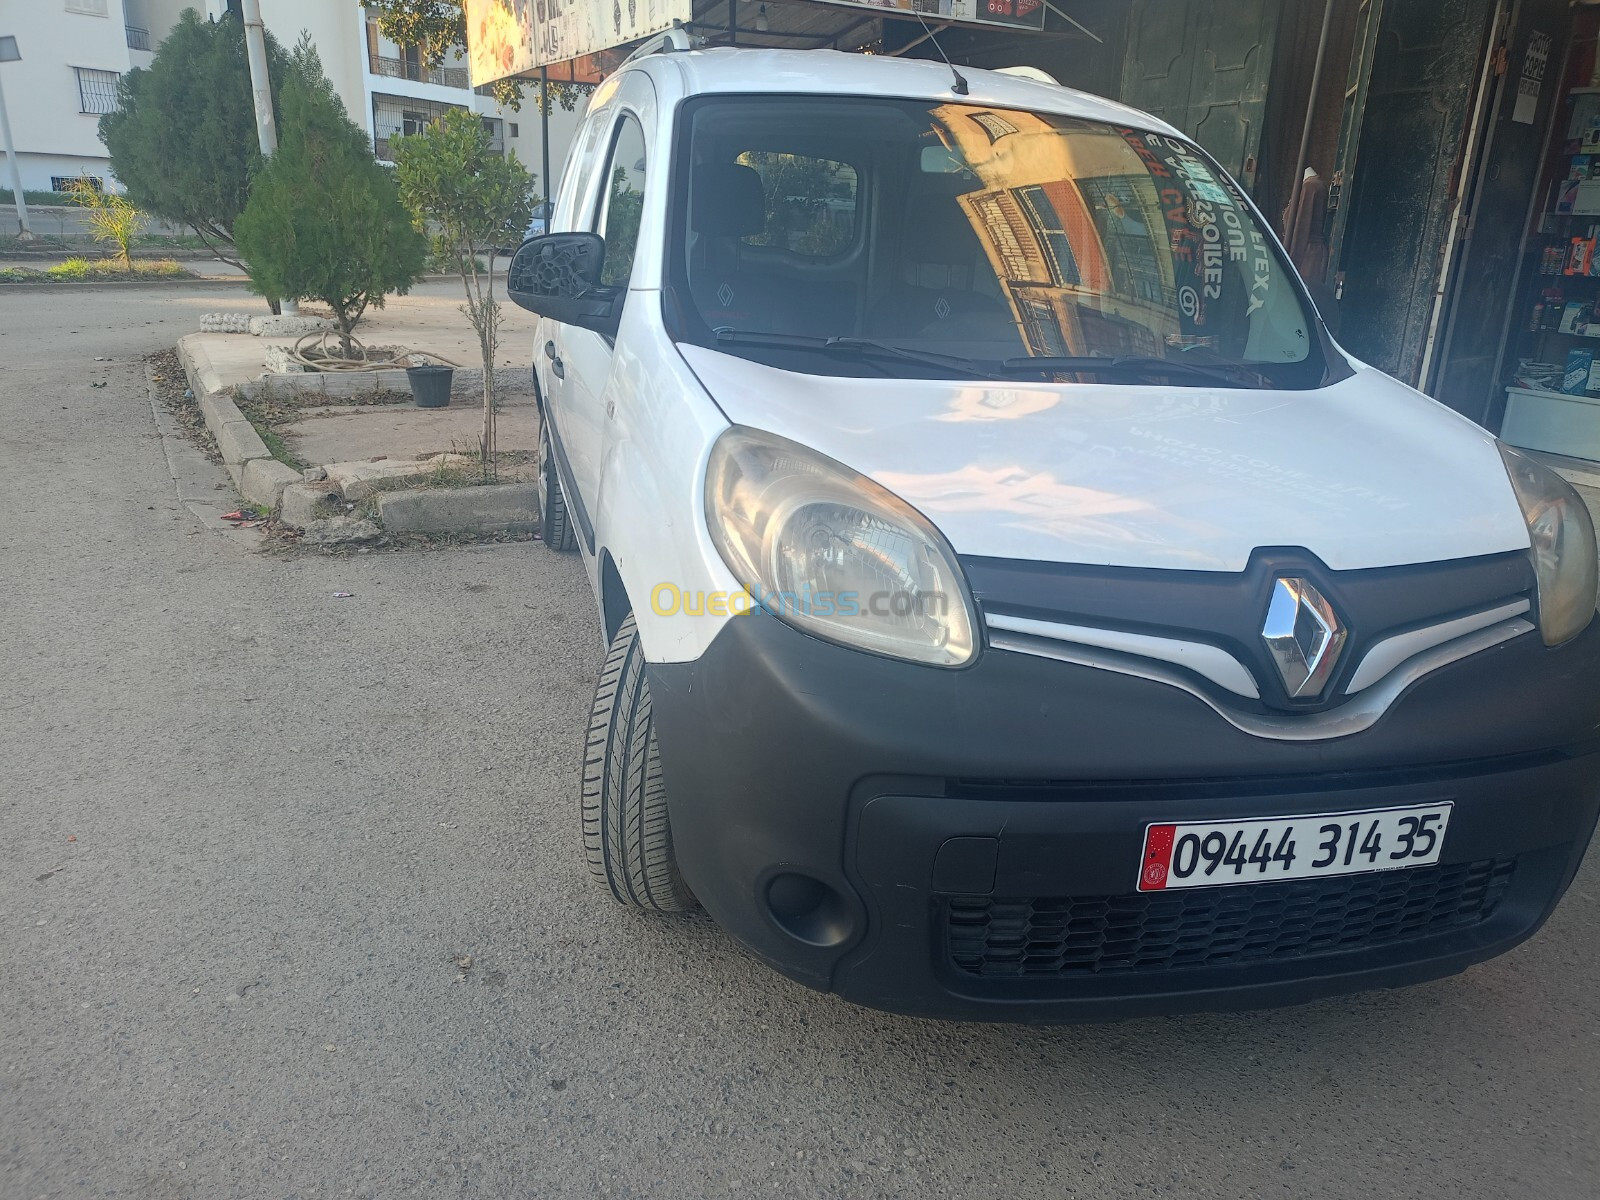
column 558, row 276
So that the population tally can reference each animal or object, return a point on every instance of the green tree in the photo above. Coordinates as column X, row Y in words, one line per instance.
column 183, row 139
column 474, row 199
column 435, row 27
column 324, row 220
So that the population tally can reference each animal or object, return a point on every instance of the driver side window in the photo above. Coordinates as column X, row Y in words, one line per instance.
column 622, row 202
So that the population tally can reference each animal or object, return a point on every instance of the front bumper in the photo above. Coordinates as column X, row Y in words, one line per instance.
column 894, row 833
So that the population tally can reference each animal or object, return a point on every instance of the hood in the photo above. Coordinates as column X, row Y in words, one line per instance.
column 1366, row 473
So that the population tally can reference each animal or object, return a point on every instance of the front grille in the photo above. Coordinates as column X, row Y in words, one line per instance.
column 1174, row 931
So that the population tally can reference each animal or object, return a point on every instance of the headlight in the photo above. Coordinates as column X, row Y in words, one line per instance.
column 832, row 553
column 1564, row 554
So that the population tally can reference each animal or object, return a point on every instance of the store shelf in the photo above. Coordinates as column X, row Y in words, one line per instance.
column 1553, row 422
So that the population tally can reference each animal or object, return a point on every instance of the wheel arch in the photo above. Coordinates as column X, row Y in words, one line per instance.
column 614, row 603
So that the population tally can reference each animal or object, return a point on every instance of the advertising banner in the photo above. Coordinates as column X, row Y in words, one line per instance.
column 1013, row 14
column 514, row 37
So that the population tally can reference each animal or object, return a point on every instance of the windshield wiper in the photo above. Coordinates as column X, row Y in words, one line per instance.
column 1138, row 364
column 858, row 347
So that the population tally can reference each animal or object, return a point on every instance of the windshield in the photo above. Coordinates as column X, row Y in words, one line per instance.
column 1028, row 244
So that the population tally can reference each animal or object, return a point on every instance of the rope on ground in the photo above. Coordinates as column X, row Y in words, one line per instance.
column 326, row 353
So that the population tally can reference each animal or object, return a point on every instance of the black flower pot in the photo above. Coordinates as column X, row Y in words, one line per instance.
column 430, row 385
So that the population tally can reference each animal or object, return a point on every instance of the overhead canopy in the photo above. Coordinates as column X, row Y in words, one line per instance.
column 582, row 41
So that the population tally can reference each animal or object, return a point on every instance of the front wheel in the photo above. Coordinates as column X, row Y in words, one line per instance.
column 627, row 836
column 555, row 523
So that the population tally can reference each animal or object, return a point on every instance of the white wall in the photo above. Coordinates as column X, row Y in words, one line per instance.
column 56, row 139
column 563, row 129
column 336, row 29
column 53, row 136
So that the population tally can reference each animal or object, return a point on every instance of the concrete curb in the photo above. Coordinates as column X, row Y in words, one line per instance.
column 237, row 439
column 196, row 480
column 192, row 281
column 262, row 479
column 203, row 376
column 204, row 281
column 466, row 384
column 495, row 508
column 265, row 480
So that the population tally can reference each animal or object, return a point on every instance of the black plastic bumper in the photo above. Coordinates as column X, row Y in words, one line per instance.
column 831, row 810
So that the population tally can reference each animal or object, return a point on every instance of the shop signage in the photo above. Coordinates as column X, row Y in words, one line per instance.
column 1014, row 14
column 514, row 37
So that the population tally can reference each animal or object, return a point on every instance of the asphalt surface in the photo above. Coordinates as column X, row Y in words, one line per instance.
column 62, row 221
column 249, row 834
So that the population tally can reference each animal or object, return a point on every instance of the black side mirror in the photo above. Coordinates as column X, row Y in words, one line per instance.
column 558, row 276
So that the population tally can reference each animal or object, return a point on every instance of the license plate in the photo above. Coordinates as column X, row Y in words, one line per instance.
column 1220, row 853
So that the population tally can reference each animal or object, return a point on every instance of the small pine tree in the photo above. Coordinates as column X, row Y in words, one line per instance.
column 324, row 220
column 183, row 140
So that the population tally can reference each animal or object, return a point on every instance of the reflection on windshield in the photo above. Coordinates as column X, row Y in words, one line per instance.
column 990, row 234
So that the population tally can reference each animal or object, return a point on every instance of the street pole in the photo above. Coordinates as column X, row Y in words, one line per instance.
column 544, row 141
column 255, row 44
column 8, row 53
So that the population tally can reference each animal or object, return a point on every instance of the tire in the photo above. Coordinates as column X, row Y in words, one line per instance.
column 555, row 523
column 627, row 836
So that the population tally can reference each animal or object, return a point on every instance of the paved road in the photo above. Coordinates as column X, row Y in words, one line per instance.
column 60, row 221
column 247, row 829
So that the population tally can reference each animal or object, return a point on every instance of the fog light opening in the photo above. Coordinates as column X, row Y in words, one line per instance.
column 809, row 911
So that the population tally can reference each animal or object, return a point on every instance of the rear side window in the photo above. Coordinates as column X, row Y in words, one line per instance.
column 622, row 206
column 811, row 203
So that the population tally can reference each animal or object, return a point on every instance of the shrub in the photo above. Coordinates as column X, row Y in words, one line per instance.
column 183, row 138
column 112, row 217
column 73, row 268
column 324, row 220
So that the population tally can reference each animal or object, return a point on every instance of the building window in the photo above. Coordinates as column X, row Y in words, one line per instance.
column 97, row 90
column 1053, row 236
column 493, row 126
column 138, row 39
column 401, row 116
column 89, row 8
column 995, row 127
column 65, row 183
column 514, row 130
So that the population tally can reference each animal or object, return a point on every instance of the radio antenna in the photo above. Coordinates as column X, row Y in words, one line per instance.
column 960, row 86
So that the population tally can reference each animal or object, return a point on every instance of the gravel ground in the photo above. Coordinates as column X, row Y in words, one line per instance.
column 294, row 906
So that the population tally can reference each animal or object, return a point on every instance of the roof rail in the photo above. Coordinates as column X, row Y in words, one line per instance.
column 672, row 41
column 1032, row 73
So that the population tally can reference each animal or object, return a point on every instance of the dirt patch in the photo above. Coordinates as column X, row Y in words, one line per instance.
column 166, row 374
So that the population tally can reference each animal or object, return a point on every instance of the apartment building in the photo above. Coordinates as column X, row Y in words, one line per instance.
column 73, row 52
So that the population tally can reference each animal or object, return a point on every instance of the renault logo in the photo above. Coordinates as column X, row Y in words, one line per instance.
column 1305, row 636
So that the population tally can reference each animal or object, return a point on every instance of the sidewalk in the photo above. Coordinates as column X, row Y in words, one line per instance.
column 379, row 452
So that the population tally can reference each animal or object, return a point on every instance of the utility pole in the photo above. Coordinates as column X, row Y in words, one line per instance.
column 255, row 44
column 8, row 53
column 544, row 142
